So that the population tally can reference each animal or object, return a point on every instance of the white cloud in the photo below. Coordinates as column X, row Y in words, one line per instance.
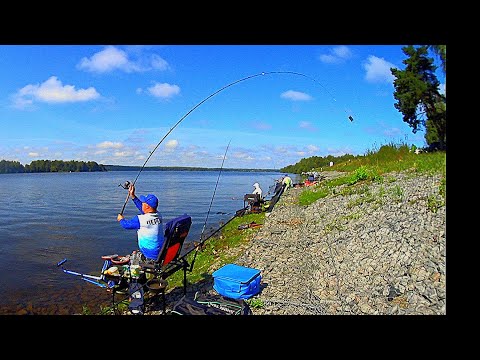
column 52, row 91
column 220, row 157
column 171, row 145
column 378, row 70
column 164, row 90
column 106, row 60
column 110, row 145
column 122, row 153
column 312, row 148
column 281, row 149
column 342, row 52
column 112, row 58
column 19, row 102
column 158, row 63
column 33, row 154
column 337, row 55
column 295, row 96
column 242, row 156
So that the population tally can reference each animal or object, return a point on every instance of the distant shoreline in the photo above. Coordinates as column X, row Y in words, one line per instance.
column 181, row 168
column 60, row 166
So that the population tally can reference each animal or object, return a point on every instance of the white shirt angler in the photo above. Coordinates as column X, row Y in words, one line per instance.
column 257, row 190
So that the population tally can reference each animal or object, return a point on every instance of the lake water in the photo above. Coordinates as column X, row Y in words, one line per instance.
column 48, row 217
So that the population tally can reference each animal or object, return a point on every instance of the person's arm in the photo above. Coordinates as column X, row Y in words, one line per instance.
column 133, row 223
column 138, row 204
column 136, row 201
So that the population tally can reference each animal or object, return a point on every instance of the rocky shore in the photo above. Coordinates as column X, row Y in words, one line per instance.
column 375, row 248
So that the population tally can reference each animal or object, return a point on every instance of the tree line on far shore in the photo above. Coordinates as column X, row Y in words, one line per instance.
column 36, row 166
column 11, row 167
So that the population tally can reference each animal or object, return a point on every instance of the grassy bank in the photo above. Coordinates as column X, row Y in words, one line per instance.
column 374, row 166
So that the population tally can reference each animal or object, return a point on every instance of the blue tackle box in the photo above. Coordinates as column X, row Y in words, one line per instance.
column 237, row 282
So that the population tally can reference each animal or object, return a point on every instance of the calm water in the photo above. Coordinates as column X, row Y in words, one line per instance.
column 49, row 217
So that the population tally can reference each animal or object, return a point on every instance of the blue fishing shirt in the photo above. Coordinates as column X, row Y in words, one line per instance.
column 150, row 232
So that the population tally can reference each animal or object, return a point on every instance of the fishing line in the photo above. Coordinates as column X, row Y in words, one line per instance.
column 214, row 191
column 314, row 80
column 197, row 247
column 210, row 96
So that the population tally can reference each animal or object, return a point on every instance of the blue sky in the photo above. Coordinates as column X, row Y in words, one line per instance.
column 113, row 104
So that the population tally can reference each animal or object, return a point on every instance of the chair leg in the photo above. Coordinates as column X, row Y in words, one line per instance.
column 113, row 302
column 184, row 280
column 164, row 305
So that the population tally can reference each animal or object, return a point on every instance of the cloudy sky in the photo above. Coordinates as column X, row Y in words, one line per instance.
column 274, row 104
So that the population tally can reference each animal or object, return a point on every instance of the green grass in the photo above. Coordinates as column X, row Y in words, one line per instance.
column 216, row 251
column 373, row 166
column 255, row 303
column 396, row 157
column 309, row 197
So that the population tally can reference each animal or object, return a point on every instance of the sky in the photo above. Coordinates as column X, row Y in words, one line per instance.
column 243, row 106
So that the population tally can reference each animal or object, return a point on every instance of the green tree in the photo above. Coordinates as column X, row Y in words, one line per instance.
column 8, row 167
column 418, row 97
column 441, row 52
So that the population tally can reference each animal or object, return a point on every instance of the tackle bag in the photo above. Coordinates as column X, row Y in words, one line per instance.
column 226, row 305
column 188, row 306
column 210, row 305
column 237, row 282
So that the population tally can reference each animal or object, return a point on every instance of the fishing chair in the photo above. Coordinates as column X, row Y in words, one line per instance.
column 169, row 260
column 156, row 271
column 253, row 201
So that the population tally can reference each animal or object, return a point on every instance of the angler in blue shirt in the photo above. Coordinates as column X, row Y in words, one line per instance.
column 149, row 224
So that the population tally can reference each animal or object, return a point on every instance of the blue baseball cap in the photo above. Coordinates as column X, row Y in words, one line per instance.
column 150, row 199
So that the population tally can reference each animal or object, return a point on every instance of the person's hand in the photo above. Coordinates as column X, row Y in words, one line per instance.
column 131, row 191
column 120, row 217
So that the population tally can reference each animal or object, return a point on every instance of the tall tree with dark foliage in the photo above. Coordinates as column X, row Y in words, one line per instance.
column 418, row 97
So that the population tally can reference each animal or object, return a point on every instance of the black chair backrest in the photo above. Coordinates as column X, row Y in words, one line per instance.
column 251, row 198
column 176, row 230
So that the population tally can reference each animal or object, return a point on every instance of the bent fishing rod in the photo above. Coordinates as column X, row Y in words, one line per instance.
column 127, row 184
